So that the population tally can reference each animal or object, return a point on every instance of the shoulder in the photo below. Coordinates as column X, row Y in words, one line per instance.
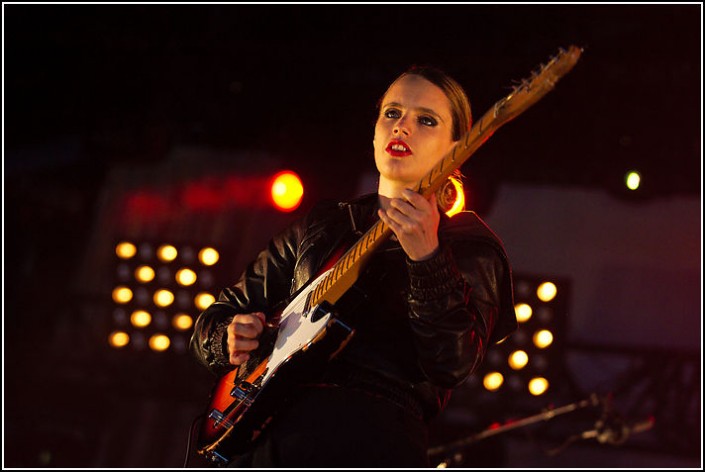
column 468, row 226
column 476, row 244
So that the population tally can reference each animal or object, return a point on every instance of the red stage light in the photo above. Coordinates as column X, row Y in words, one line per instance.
column 287, row 191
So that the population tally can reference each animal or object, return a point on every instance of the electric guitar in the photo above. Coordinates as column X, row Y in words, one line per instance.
column 308, row 334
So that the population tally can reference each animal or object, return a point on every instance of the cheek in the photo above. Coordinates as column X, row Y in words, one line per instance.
column 438, row 151
column 377, row 139
column 444, row 144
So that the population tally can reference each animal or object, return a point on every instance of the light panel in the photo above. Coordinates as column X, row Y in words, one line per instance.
column 529, row 361
column 159, row 289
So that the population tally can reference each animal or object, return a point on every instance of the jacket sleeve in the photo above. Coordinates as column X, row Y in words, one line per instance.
column 454, row 303
column 264, row 283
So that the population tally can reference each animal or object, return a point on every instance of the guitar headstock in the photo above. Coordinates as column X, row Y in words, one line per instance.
column 528, row 92
column 531, row 89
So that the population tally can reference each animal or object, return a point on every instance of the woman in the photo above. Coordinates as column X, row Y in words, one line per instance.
column 425, row 308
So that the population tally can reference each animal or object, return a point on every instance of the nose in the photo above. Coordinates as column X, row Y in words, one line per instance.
column 401, row 127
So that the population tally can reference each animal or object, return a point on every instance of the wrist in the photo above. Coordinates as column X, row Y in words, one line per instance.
column 433, row 277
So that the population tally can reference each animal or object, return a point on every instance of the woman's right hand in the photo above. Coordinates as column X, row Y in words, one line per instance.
column 243, row 334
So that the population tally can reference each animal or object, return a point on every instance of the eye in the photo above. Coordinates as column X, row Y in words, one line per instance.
column 392, row 113
column 427, row 121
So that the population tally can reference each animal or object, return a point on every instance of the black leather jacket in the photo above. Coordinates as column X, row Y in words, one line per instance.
column 421, row 327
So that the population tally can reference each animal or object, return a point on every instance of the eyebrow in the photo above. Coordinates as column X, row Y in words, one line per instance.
column 421, row 109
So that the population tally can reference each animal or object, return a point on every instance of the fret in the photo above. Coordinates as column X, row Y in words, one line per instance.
column 374, row 232
column 350, row 260
column 358, row 250
column 367, row 240
column 336, row 271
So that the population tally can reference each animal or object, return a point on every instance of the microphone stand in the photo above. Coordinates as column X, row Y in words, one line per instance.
column 610, row 428
column 593, row 400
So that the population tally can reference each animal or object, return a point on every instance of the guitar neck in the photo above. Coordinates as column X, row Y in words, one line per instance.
column 346, row 271
column 522, row 97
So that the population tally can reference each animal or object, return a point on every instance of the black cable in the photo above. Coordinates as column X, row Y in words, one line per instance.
column 190, row 439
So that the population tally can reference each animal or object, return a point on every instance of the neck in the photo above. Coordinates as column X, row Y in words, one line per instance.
column 390, row 189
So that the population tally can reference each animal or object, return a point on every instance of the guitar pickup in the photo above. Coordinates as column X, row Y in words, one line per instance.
column 219, row 418
column 242, row 392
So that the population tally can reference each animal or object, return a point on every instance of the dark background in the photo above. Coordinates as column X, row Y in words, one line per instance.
column 90, row 88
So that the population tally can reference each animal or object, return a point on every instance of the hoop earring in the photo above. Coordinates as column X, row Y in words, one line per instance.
column 450, row 196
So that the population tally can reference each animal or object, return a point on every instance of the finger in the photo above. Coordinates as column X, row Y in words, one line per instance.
column 407, row 223
column 414, row 198
column 404, row 208
column 256, row 320
column 261, row 316
column 388, row 221
column 244, row 344
column 248, row 331
column 400, row 228
column 239, row 358
column 432, row 201
column 389, row 217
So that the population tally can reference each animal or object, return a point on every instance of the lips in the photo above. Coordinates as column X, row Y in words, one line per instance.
column 398, row 148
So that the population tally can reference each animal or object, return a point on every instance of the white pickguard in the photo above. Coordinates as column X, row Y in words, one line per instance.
column 296, row 330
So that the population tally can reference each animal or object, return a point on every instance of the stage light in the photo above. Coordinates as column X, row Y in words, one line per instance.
column 546, row 291
column 140, row 318
column 164, row 275
column 163, row 297
column 632, row 180
column 538, row 386
column 120, row 316
column 144, row 274
column 159, row 342
column 125, row 250
column 204, row 300
column 161, row 322
column 182, row 322
column 287, row 191
column 122, row 294
column 180, row 344
column 492, row 381
column 167, row 253
column 144, row 251
column 159, row 318
column 141, row 296
column 523, row 312
column 543, row 338
column 544, row 314
column 530, row 359
column 138, row 342
column 208, row 256
column 118, row 339
column 186, row 277
column 518, row 359
column 539, row 363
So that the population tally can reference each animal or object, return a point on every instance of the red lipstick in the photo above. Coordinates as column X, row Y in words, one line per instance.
column 398, row 148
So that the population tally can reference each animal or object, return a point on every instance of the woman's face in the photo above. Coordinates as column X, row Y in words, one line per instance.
column 413, row 131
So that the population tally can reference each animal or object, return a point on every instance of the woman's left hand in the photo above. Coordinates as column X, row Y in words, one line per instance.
column 414, row 220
